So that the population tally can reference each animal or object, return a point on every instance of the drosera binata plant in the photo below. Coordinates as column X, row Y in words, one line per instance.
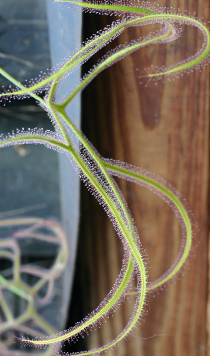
column 95, row 171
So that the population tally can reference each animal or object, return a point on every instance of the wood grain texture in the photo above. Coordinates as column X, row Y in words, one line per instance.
column 163, row 128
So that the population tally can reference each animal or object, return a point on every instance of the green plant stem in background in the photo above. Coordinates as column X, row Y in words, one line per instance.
column 9, row 248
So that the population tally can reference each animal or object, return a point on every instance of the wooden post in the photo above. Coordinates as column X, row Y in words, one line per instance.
column 163, row 128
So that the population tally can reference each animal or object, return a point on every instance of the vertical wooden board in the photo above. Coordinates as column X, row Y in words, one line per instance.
column 164, row 129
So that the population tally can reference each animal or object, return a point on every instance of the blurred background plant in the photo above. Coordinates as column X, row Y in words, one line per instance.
column 27, row 289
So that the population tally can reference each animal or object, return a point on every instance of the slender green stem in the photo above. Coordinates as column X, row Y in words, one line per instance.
column 155, row 185
column 114, row 7
column 5, row 308
column 19, row 85
column 118, row 56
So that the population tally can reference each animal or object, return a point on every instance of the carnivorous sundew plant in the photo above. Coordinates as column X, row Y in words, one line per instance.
column 97, row 172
